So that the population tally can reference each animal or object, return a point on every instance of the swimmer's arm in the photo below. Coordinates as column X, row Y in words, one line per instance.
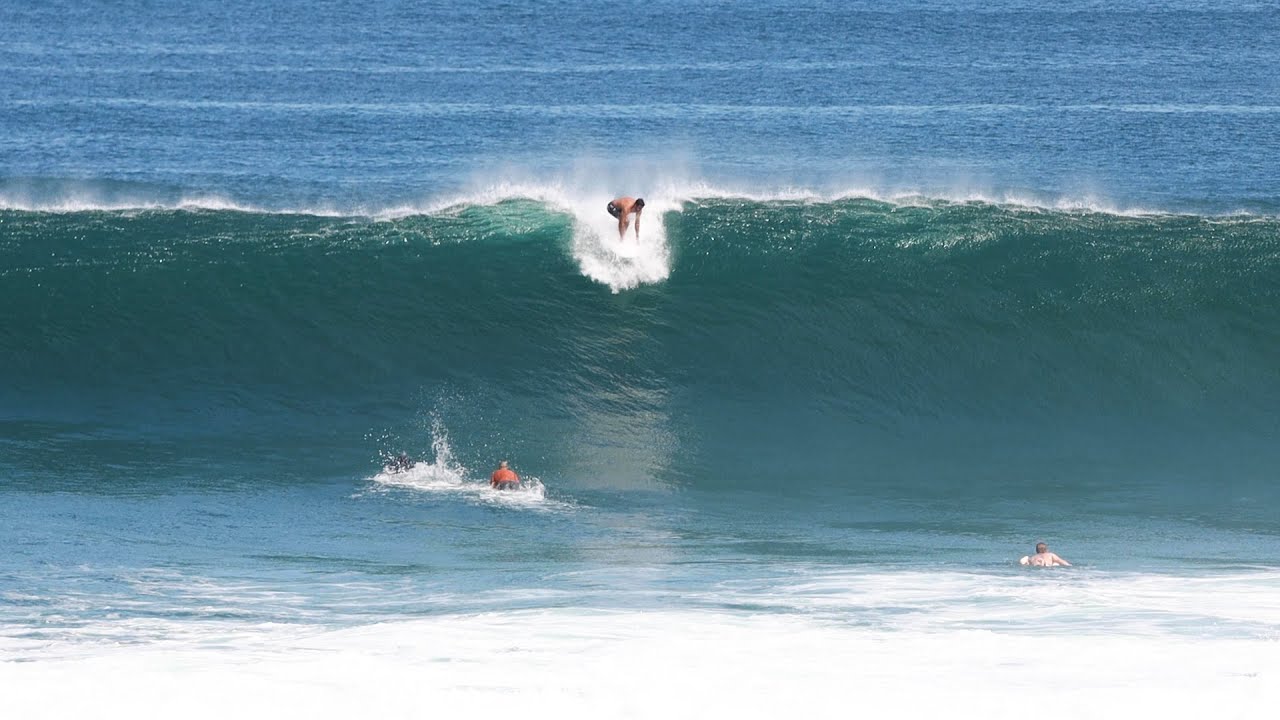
column 1059, row 561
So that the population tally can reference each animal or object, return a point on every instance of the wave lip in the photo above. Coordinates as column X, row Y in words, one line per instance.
column 583, row 196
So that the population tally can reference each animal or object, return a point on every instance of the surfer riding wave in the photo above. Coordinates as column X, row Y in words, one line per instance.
column 622, row 208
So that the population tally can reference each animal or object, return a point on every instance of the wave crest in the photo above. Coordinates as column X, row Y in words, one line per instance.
column 583, row 195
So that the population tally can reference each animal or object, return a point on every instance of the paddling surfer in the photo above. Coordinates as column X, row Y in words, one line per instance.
column 504, row 478
column 1043, row 558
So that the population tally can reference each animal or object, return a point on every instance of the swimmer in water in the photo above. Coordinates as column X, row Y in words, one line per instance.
column 1043, row 558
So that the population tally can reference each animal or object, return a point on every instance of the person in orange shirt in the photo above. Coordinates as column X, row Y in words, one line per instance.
column 504, row 478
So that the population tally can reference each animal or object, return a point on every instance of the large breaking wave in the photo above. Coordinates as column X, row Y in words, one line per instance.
column 822, row 329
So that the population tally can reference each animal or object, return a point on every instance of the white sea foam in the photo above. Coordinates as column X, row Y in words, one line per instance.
column 576, row 663
column 1035, row 601
column 1055, row 643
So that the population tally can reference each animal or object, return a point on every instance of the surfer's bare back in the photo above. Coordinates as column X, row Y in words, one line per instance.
column 622, row 208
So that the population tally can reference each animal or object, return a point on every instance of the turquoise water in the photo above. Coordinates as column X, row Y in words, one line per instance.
column 917, row 286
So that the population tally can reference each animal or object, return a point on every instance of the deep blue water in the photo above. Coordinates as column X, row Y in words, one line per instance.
column 1170, row 105
column 921, row 284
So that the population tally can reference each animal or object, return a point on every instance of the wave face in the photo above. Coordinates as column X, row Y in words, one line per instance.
column 758, row 343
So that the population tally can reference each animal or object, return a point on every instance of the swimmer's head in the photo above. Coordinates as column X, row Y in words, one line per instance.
column 502, row 464
column 1041, row 548
column 639, row 203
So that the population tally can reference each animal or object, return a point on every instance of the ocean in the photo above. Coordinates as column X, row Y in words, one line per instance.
column 918, row 285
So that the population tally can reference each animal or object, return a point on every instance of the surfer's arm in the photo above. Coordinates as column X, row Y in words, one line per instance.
column 638, row 223
column 1059, row 561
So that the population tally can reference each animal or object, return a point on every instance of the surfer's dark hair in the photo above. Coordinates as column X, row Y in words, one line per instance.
column 639, row 202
